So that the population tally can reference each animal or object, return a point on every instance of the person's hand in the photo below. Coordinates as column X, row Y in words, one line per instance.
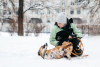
column 70, row 37
column 64, row 42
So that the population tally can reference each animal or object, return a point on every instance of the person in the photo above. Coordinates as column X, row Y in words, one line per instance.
column 65, row 31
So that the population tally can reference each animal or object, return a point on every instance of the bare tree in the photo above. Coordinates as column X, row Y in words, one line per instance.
column 13, row 27
column 93, row 7
column 13, row 5
column 20, row 15
column 20, row 18
column 37, row 28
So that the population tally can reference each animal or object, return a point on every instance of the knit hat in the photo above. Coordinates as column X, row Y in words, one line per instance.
column 61, row 18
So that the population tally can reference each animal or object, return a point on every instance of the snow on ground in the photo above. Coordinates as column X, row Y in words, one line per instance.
column 17, row 51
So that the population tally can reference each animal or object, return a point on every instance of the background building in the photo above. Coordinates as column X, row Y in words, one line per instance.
column 47, row 11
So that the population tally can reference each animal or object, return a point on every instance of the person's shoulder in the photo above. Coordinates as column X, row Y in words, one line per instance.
column 55, row 28
column 72, row 24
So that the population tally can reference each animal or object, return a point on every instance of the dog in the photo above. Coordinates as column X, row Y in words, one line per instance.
column 57, row 52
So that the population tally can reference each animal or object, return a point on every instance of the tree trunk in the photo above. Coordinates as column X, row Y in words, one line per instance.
column 20, row 18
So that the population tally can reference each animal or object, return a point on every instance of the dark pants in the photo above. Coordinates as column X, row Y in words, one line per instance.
column 75, row 43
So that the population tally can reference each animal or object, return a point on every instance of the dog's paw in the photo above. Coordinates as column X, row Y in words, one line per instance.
column 69, row 58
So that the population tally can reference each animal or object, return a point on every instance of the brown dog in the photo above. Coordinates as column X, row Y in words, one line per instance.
column 57, row 52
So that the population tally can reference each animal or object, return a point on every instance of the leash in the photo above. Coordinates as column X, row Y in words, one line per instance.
column 80, row 47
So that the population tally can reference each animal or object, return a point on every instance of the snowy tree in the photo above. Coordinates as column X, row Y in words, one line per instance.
column 93, row 7
column 54, row 7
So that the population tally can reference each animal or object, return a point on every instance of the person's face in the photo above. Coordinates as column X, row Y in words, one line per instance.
column 60, row 24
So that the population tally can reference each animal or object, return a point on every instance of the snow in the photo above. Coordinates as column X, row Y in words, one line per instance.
column 18, row 51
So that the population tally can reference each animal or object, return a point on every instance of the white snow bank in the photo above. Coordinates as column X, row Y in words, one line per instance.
column 19, row 51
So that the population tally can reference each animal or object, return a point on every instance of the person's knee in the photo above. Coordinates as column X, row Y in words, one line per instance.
column 77, row 51
column 75, row 42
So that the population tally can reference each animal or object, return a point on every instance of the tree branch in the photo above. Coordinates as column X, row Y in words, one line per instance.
column 13, row 5
column 27, row 9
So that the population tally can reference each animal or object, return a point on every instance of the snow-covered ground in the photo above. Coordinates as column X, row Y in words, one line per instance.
column 17, row 51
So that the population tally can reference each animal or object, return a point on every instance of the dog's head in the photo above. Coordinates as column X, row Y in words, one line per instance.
column 42, row 49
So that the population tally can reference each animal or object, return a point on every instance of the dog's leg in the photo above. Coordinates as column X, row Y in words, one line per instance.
column 68, row 52
column 69, row 55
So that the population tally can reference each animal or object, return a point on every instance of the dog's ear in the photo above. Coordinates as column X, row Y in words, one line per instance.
column 71, row 20
column 38, row 53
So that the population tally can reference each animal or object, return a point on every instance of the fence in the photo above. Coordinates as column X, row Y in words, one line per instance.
column 90, row 29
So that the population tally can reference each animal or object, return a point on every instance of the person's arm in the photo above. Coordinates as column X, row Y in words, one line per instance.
column 52, row 39
column 76, row 31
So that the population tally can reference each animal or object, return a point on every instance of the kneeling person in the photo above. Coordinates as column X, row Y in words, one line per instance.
column 64, row 31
